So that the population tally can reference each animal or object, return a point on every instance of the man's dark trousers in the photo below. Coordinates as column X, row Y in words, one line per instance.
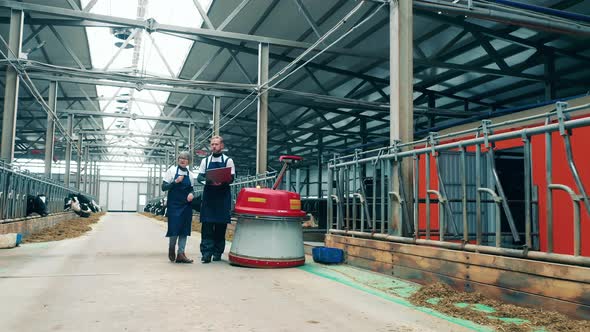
column 213, row 239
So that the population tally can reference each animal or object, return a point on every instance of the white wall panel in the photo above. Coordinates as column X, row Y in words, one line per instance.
column 130, row 196
column 103, row 195
column 115, row 196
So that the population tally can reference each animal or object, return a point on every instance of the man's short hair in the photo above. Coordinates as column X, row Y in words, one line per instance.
column 217, row 137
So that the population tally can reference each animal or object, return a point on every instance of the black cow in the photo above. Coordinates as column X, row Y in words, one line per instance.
column 37, row 204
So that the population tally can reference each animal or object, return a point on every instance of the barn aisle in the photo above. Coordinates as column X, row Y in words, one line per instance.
column 118, row 278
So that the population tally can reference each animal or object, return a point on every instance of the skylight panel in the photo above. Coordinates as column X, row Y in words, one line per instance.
column 155, row 55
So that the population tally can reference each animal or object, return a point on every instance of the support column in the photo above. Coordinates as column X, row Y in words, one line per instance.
column 175, row 151
column 70, row 129
column 50, row 132
column 216, row 115
column 319, row 164
column 191, row 140
column 159, row 178
column 79, row 166
column 15, row 37
column 262, row 122
column 364, row 141
column 90, row 177
column 96, row 181
column 400, row 97
column 93, row 179
column 156, row 180
column 86, row 157
column 149, row 184
column 97, row 195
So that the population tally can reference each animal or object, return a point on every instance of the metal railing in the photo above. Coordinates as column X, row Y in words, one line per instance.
column 16, row 185
column 364, row 202
column 250, row 181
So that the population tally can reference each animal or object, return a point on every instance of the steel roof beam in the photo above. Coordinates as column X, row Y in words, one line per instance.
column 233, row 14
column 282, row 126
column 129, row 147
column 348, row 113
column 252, row 30
column 203, row 14
column 480, row 62
column 506, row 17
column 533, row 61
column 154, row 26
column 89, row 5
column 500, row 35
column 130, row 134
column 309, row 99
column 517, row 85
column 509, row 72
column 133, row 116
column 67, row 47
column 308, row 18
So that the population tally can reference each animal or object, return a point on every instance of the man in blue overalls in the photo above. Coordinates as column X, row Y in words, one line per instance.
column 216, row 205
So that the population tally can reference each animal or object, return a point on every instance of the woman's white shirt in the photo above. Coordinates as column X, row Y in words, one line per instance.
column 171, row 172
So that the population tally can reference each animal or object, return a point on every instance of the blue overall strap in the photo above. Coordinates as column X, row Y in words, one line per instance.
column 208, row 160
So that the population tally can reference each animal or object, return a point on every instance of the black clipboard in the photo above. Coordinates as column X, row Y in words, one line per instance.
column 218, row 176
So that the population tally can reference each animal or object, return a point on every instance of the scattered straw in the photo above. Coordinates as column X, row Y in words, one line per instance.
column 481, row 310
column 65, row 230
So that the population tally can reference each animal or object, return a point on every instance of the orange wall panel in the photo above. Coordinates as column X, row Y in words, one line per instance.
column 562, row 204
column 422, row 195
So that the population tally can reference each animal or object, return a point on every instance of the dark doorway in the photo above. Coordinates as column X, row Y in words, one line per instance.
column 510, row 168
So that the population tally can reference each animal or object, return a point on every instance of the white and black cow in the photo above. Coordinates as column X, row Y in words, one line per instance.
column 37, row 204
column 160, row 207
column 148, row 207
column 72, row 203
column 94, row 206
column 85, row 203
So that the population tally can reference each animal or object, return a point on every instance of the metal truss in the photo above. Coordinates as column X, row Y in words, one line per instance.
column 337, row 111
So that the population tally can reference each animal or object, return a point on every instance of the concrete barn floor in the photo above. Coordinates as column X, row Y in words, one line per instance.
column 118, row 278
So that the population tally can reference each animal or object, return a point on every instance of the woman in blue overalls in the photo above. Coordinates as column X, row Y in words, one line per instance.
column 216, row 204
column 178, row 182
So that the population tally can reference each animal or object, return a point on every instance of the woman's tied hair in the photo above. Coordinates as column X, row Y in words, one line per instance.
column 184, row 155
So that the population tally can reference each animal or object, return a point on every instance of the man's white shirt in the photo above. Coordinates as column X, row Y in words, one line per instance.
column 209, row 159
